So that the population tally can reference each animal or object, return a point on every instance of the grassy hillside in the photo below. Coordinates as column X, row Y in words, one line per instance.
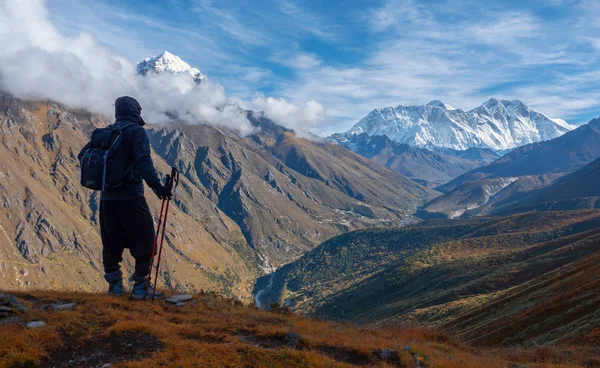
column 212, row 332
column 440, row 271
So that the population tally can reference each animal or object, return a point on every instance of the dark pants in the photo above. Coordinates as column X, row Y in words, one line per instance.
column 126, row 224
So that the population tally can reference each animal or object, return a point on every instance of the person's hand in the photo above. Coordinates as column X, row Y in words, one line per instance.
column 161, row 191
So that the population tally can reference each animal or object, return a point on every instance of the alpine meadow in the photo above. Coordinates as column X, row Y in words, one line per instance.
column 285, row 183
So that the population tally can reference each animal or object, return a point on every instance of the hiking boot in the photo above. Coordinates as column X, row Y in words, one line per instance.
column 139, row 291
column 115, row 288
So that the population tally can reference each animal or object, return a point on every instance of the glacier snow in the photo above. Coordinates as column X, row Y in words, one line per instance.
column 496, row 124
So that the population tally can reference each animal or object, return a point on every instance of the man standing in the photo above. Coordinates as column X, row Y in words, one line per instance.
column 125, row 219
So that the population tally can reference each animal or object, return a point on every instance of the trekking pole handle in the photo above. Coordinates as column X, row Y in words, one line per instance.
column 168, row 182
column 174, row 178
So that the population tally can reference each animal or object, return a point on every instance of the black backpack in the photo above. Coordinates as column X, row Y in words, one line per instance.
column 102, row 160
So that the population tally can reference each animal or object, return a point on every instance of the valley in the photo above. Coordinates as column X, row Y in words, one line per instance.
column 325, row 214
column 327, row 227
column 474, row 277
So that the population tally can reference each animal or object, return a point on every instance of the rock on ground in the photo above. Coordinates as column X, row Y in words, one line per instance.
column 9, row 300
column 179, row 298
column 36, row 324
column 66, row 306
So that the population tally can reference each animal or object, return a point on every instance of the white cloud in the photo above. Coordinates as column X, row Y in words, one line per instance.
column 505, row 30
column 300, row 118
column 39, row 62
column 357, row 58
column 228, row 22
column 305, row 21
column 460, row 52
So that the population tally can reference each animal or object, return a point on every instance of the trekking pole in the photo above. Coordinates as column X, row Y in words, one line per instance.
column 174, row 179
column 162, row 206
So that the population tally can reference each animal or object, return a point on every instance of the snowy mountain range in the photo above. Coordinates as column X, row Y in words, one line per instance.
column 167, row 62
column 496, row 124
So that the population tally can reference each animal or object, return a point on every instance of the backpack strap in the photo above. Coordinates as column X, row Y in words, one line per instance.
column 121, row 128
column 114, row 142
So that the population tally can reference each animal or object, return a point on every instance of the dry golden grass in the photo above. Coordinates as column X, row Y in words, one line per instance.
column 215, row 332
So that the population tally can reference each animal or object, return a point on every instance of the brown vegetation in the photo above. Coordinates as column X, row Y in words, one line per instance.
column 524, row 280
column 214, row 332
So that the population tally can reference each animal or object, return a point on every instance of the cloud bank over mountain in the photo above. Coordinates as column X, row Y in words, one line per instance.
column 40, row 62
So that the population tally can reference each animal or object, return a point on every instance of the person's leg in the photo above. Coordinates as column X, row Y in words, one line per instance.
column 140, row 236
column 112, row 246
column 141, row 242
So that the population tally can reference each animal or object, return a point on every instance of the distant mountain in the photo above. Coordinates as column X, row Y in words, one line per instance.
column 484, row 155
column 577, row 190
column 524, row 279
column 561, row 155
column 424, row 166
column 510, row 179
column 497, row 124
column 482, row 196
column 167, row 62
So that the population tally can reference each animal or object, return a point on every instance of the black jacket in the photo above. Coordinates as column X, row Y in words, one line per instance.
column 137, row 144
column 138, row 158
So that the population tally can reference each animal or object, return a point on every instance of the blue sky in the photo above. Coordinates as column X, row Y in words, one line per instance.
column 353, row 56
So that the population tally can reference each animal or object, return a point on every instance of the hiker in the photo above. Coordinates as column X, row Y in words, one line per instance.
column 125, row 219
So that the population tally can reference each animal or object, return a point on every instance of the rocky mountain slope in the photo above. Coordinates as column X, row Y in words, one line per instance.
column 484, row 196
column 577, row 190
column 424, row 166
column 496, row 124
column 512, row 177
column 286, row 194
column 528, row 277
column 243, row 204
column 49, row 223
column 561, row 155
column 209, row 331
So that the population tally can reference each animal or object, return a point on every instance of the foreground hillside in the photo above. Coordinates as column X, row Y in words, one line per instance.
column 207, row 331
column 525, row 279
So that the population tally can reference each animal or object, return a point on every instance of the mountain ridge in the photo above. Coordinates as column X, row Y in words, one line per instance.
column 517, row 174
column 496, row 124
column 427, row 167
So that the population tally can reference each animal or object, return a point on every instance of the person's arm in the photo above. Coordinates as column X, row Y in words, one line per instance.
column 142, row 162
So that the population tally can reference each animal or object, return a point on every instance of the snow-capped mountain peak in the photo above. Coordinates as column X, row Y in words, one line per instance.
column 439, row 103
column 496, row 124
column 167, row 62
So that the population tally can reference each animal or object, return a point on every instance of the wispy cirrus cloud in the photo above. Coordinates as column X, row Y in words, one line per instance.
column 362, row 55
